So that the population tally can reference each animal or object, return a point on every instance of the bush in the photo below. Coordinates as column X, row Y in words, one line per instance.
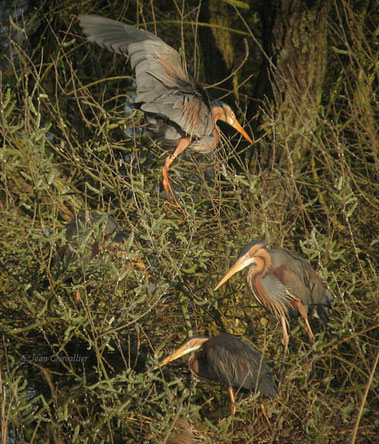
column 80, row 342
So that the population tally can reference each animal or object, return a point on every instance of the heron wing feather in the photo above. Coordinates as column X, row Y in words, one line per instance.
column 238, row 364
column 205, row 144
column 162, row 86
column 300, row 278
column 277, row 292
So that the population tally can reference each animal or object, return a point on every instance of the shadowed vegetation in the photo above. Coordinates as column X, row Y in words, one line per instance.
column 79, row 343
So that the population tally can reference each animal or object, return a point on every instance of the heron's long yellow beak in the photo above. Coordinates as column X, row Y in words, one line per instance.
column 177, row 354
column 189, row 346
column 239, row 265
column 239, row 128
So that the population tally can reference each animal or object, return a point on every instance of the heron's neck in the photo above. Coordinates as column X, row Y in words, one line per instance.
column 218, row 114
column 262, row 261
column 255, row 274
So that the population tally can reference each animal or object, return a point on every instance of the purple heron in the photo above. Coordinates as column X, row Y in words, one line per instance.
column 178, row 110
column 284, row 283
column 98, row 228
column 229, row 360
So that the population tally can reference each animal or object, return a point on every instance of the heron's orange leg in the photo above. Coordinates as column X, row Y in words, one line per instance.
column 265, row 414
column 286, row 338
column 303, row 313
column 232, row 401
column 310, row 332
column 182, row 145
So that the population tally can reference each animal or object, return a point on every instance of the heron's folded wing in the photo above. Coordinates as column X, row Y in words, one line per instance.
column 237, row 363
column 299, row 277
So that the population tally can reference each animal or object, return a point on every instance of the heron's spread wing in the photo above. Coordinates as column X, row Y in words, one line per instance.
column 162, row 86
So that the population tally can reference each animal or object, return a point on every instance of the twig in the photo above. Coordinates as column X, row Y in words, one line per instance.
column 235, row 70
column 355, row 430
column 330, row 349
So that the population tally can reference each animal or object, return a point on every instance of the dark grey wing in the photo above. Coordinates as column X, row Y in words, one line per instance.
column 205, row 144
column 162, row 86
column 238, row 364
column 302, row 281
column 112, row 231
column 161, row 128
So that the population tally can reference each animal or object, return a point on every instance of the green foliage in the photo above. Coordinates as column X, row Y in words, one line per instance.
column 80, row 339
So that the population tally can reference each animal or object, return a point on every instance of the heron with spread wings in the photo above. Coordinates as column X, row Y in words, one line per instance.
column 178, row 111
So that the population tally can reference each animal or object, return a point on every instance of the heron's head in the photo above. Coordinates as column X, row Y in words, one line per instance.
column 248, row 256
column 222, row 111
column 189, row 346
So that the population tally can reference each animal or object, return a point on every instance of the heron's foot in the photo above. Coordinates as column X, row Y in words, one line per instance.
column 170, row 192
column 173, row 207
column 265, row 414
column 285, row 345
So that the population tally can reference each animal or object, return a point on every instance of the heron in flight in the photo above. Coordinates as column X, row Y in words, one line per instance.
column 178, row 110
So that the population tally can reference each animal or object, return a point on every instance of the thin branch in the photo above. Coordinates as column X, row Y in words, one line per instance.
column 355, row 430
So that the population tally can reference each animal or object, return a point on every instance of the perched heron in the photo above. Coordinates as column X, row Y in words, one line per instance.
column 88, row 225
column 87, row 236
column 230, row 361
column 178, row 111
column 284, row 283
column 85, row 222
